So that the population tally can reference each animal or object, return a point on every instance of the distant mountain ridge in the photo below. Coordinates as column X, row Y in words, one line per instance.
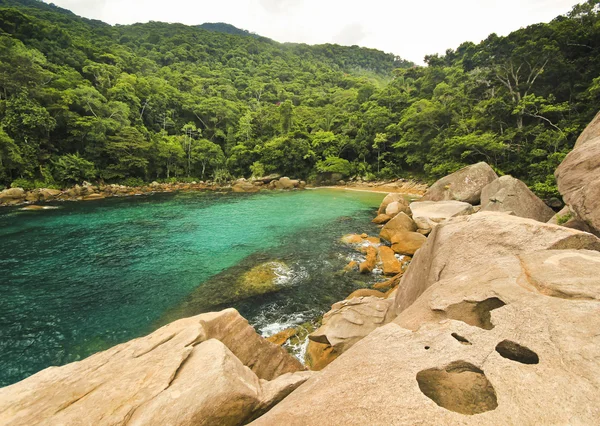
column 222, row 27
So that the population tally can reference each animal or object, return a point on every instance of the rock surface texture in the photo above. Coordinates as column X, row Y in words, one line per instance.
column 507, row 194
column 427, row 214
column 513, row 341
column 578, row 177
column 464, row 185
column 465, row 242
column 349, row 321
column 204, row 370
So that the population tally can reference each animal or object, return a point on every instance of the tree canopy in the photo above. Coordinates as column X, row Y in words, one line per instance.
column 80, row 99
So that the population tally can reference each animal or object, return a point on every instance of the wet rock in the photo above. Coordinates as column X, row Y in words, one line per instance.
column 537, row 364
column 365, row 292
column 391, row 265
column 381, row 219
column 464, row 185
column 350, row 320
column 92, row 197
column 351, row 266
column 352, row 239
column 407, row 243
column 400, row 223
column 283, row 336
column 319, row 355
column 371, row 261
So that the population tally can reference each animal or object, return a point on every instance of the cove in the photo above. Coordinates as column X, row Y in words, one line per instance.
column 89, row 275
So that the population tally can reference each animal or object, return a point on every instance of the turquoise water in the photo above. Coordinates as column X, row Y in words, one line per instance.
column 90, row 275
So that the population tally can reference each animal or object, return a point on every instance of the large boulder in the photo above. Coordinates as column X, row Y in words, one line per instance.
column 286, row 183
column 591, row 132
column 208, row 369
column 578, row 178
column 12, row 195
column 47, row 194
column 464, row 185
column 514, row 341
column 428, row 214
column 507, row 194
column 400, row 223
column 465, row 242
column 351, row 320
column 244, row 186
column 390, row 265
column 394, row 197
column 407, row 243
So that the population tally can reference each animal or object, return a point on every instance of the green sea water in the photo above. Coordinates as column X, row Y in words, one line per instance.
column 89, row 275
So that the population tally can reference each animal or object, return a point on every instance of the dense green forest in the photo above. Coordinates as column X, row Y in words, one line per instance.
column 83, row 100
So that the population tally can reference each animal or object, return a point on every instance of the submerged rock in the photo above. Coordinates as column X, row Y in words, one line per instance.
column 225, row 289
column 208, row 369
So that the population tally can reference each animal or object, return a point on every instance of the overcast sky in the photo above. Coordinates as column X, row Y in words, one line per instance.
column 410, row 29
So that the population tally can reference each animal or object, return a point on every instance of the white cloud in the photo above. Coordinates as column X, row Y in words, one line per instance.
column 407, row 28
column 351, row 34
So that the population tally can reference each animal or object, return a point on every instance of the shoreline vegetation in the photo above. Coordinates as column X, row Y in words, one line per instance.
column 34, row 199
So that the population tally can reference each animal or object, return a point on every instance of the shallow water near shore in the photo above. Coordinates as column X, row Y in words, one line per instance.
column 89, row 275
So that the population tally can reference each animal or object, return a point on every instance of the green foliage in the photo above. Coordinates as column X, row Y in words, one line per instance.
column 26, row 184
column 563, row 218
column 335, row 165
column 72, row 169
column 132, row 182
column 159, row 101
column 257, row 169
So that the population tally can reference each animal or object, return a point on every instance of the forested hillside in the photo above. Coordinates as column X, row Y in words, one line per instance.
column 80, row 99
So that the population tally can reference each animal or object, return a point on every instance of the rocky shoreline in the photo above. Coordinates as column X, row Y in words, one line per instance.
column 488, row 315
column 89, row 192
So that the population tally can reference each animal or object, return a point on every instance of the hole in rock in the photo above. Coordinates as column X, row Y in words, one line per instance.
column 475, row 313
column 460, row 339
column 516, row 352
column 460, row 387
column 426, row 348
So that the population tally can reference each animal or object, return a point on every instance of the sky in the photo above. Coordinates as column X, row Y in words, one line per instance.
column 410, row 29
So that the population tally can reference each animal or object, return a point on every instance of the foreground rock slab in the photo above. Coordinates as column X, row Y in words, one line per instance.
column 510, row 342
column 208, row 369
column 465, row 242
column 464, row 185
